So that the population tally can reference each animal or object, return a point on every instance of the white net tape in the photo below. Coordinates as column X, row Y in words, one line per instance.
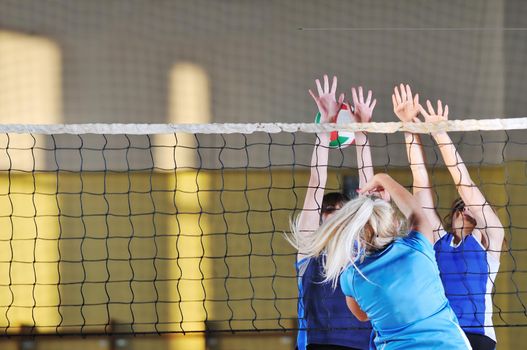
column 249, row 128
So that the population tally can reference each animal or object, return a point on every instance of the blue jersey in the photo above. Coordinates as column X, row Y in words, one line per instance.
column 323, row 312
column 404, row 298
column 468, row 272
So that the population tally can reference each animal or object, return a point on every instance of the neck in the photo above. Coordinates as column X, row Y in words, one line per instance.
column 459, row 233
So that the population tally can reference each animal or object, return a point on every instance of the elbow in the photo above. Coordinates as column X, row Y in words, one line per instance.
column 356, row 310
column 363, row 317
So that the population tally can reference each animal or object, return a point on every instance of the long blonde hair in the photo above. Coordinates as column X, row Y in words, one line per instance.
column 361, row 227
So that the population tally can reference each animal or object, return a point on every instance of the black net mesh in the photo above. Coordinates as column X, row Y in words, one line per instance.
column 184, row 233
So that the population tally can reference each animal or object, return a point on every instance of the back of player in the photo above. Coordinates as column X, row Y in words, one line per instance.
column 326, row 316
column 423, row 317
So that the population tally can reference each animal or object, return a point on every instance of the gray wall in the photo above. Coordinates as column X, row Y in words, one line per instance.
column 117, row 54
column 262, row 56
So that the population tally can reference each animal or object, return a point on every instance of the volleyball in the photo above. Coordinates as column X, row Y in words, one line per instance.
column 340, row 139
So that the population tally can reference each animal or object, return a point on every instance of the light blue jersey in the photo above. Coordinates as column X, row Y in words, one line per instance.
column 468, row 272
column 404, row 297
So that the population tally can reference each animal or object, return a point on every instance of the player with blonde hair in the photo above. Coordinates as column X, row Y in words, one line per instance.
column 389, row 277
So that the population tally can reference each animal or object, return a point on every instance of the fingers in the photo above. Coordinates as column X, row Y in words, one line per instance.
column 368, row 99
column 397, row 96
column 351, row 108
column 334, row 86
column 354, row 96
column 327, row 89
column 319, row 88
column 403, row 93
column 366, row 188
column 416, row 100
column 341, row 99
column 363, row 190
column 361, row 96
column 374, row 103
column 445, row 114
column 408, row 93
column 313, row 95
column 439, row 107
column 394, row 101
column 430, row 107
column 354, row 117
column 371, row 185
column 373, row 190
column 423, row 112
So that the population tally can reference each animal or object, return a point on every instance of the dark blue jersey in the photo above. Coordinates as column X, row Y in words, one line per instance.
column 324, row 313
column 468, row 272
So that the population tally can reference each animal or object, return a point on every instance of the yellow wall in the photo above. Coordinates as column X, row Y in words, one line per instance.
column 215, row 255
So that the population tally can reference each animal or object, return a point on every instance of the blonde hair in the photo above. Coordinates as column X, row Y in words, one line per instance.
column 361, row 227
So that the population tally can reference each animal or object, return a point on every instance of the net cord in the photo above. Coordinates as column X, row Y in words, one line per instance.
column 249, row 128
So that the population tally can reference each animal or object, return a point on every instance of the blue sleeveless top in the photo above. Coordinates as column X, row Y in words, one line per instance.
column 323, row 312
column 468, row 274
column 404, row 297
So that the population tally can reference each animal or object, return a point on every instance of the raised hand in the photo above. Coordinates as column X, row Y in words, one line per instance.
column 405, row 107
column 431, row 115
column 327, row 105
column 362, row 110
column 374, row 187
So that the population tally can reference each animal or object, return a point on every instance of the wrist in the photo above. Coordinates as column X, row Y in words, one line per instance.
column 441, row 137
column 361, row 138
column 328, row 117
column 382, row 177
column 412, row 139
column 323, row 138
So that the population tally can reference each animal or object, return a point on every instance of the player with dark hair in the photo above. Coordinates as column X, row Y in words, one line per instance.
column 324, row 319
column 468, row 255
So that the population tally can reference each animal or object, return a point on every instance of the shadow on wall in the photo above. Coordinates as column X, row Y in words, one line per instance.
column 82, row 248
column 30, row 92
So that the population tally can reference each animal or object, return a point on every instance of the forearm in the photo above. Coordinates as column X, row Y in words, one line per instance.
column 416, row 159
column 409, row 206
column 402, row 198
column 309, row 217
column 422, row 187
column 486, row 218
column 364, row 160
column 455, row 165
column 319, row 161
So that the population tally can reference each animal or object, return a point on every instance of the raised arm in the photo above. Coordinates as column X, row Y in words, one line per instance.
column 404, row 200
column 406, row 108
column 362, row 112
column 328, row 107
column 488, row 226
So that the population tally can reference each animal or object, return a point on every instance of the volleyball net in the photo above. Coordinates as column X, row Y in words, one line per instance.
column 144, row 229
